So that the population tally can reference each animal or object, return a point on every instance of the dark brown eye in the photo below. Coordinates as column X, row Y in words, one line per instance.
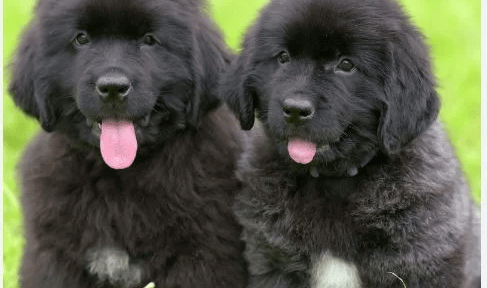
column 149, row 40
column 283, row 57
column 82, row 39
column 345, row 65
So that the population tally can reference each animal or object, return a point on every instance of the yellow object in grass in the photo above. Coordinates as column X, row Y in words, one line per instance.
column 150, row 285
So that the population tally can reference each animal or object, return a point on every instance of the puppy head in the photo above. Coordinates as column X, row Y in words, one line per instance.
column 148, row 65
column 334, row 82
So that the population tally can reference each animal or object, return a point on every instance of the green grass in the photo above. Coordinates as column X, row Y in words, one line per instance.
column 453, row 32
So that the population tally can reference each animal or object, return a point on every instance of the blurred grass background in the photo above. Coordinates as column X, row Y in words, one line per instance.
column 453, row 31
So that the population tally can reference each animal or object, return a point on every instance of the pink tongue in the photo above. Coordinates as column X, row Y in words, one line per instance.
column 117, row 143
column 301, row 151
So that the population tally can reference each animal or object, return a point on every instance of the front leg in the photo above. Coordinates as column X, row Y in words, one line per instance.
column 50, row 268
column 113, row 266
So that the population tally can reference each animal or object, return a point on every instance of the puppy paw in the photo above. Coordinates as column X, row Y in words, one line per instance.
column 114, row 266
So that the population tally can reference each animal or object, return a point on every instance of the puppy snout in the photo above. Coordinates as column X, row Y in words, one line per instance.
column 113, row 87
column 297, row 110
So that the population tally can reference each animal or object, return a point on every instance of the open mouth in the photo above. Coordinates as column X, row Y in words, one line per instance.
column 96, row 124
column 118, row 143
column 303, row 151
column 302, row 148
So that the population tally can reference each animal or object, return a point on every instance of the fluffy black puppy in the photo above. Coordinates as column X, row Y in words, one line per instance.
column 350, row 180
column 135, row 80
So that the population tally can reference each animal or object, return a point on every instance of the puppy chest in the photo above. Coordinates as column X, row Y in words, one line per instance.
column 317, row 224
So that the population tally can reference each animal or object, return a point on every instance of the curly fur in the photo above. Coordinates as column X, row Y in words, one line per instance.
column 384, row 197
column 167, row 218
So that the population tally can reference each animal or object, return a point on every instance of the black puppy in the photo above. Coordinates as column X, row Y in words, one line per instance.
column 350, row 180
column 128, row 84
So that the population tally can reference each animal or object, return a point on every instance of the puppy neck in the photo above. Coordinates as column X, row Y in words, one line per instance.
column 351, row 171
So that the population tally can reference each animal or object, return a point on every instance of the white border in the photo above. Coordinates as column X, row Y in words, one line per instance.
column 1, row 140
column 483, row 137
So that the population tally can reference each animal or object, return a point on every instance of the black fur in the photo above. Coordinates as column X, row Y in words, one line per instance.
column 167, row 218
column 384, row 192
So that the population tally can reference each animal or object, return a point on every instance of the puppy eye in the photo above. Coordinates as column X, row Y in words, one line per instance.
column 149, row 40
column 283, row 57
column 82, row 39
column 345, row 65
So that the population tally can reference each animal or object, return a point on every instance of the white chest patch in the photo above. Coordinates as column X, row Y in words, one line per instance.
column 113, row 265
column 333, row 272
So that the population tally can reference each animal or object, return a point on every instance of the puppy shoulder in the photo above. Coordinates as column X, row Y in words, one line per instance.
column 431, row 157
column 222, row 129
column 53, row 157
column 42, row 149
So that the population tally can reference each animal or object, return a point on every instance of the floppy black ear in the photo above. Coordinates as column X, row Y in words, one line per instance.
column 210, row 58
column 29, row 90
column 411, row 103
column 237, row 88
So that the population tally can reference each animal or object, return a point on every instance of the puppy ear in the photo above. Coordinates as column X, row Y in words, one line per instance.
column 237, row 89
column 411, row 103
column 29, row 90
column 210, row 58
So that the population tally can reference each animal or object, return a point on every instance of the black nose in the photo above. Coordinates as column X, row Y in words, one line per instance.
column 297, row 110
column 113, row 86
